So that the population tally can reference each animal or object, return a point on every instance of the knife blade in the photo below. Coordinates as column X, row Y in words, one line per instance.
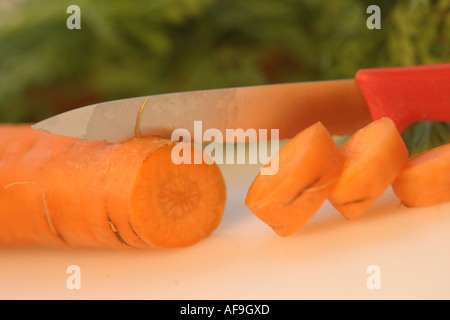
column 343, row 106
column 287, row 107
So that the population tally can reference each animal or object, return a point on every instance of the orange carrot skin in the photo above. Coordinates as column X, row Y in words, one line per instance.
column 309, row 165
column 425, row 180
column 374, row 156
column 89, row 189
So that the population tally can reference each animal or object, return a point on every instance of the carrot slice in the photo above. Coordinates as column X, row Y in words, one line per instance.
column 425, row 180
column 374, row 156
column 60, row 191
column 177, row 204
column 309, row 165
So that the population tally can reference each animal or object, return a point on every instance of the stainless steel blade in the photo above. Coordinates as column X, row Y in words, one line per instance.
column 339, row 105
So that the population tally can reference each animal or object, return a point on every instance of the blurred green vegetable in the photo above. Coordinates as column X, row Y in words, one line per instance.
column 127, row 49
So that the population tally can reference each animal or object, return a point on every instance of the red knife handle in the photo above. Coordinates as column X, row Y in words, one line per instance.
column 407, row 94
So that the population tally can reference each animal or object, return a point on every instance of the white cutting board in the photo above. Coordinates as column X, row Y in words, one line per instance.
column 328, row 259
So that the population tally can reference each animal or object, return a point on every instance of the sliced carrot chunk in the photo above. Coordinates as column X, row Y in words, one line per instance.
column 425, row 180
column 374, row 156
column 308, row 166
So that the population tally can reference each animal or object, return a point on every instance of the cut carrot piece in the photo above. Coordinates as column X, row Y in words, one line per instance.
column 374, row 156
column 60, row 191
column 308, row 166
column 425, row 180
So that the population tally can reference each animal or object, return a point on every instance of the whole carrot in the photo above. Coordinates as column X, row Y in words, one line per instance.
column 61, row 191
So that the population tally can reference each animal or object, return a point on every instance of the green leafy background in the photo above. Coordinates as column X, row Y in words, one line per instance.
column 135, row 48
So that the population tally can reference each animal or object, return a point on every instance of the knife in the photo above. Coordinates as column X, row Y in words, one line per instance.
column 405, row 94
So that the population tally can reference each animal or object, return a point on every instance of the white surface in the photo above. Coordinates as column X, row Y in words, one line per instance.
column 244, row 259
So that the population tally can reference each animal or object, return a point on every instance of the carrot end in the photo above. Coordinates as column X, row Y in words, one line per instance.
column 177, row 205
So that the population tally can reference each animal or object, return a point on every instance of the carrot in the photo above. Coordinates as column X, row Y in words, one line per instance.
column 309, row 165
column 61, row 191
column 374, row 156
column 425, row 180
